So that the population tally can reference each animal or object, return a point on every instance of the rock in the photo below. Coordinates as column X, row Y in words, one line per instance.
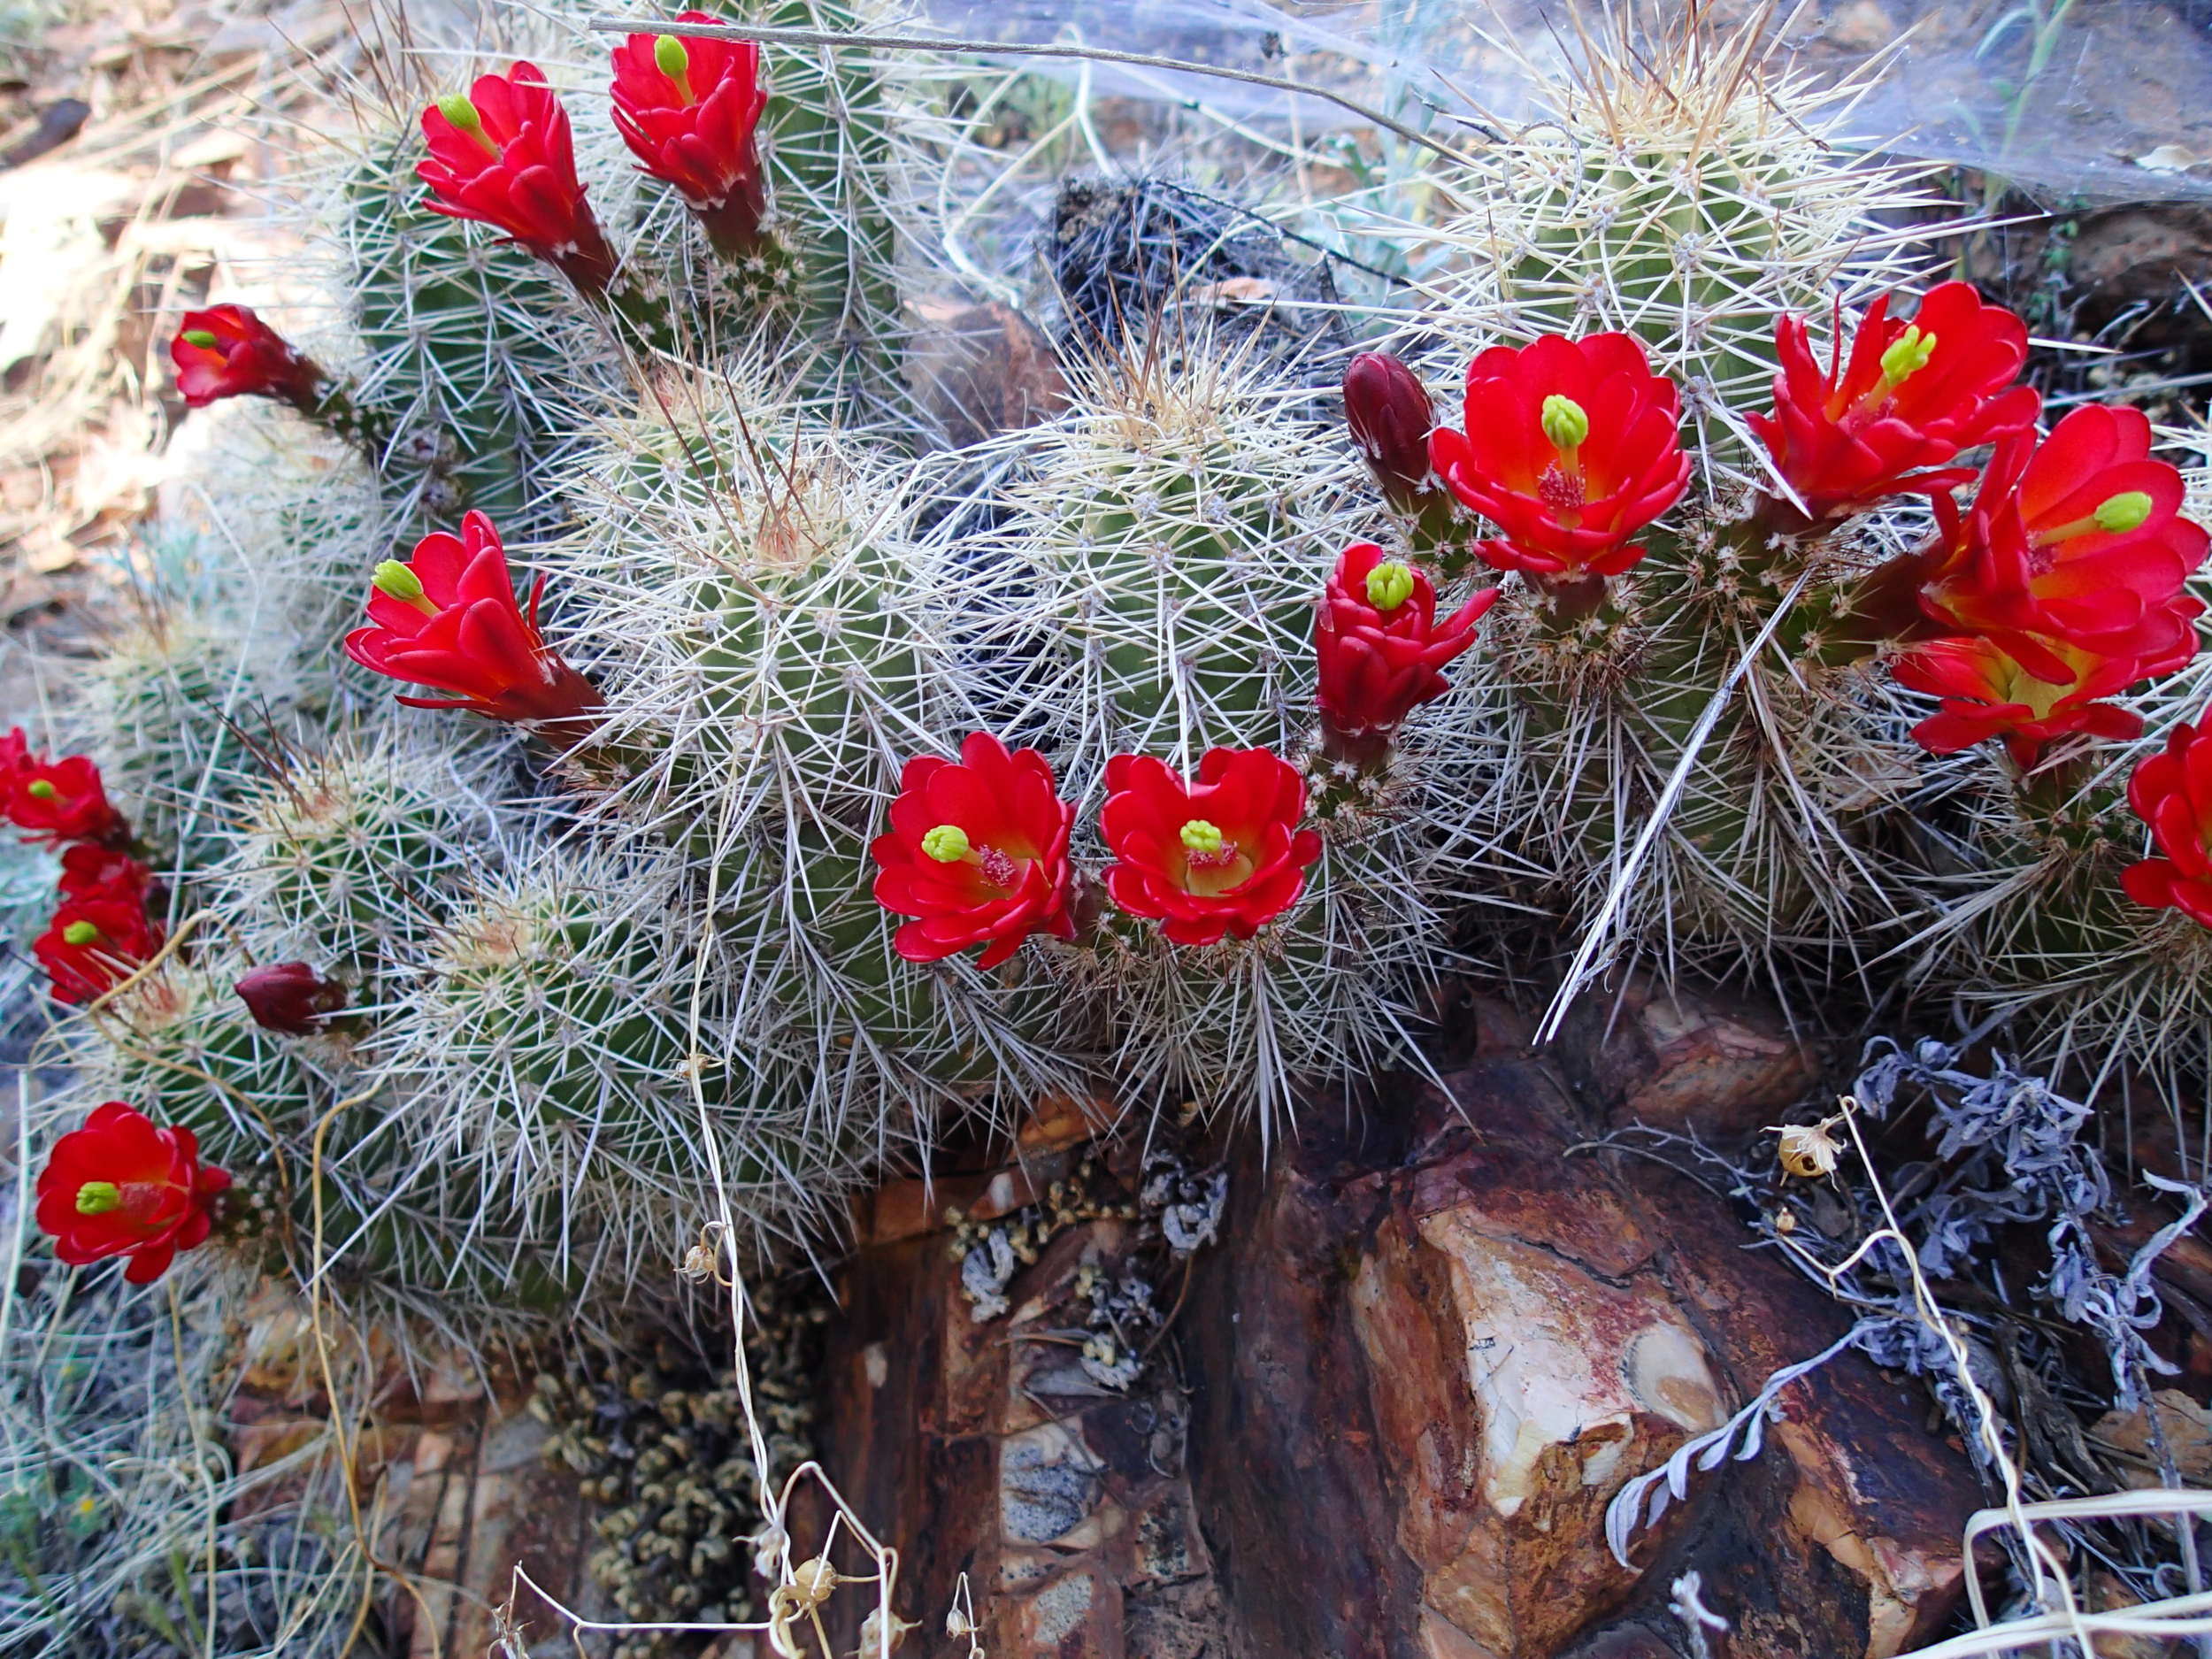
column 1683, row 1060
column 1431, row 1345
column 983, row 369
column 2187, row 1427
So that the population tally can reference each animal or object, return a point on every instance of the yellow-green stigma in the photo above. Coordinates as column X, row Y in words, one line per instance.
column 671, row 58
column 1908, row 354
column 1389, row 585
column 39, row 790
column 1566, row 423
column 200, row 338
column 96, row 1198
column 1202, row 837
column 2125, row 511
column 79, row 935
column 948, row 844
column 396, row 581
column 455, row 107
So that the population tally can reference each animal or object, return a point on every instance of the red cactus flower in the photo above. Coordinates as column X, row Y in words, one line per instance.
column 1987, row 694
column 504, row 155
column 1379, row 642
column 61, row 801
column 290, row 997
column 1912, row 395
column 687, row 108
column 978, row 851
column 92, row 870
column 2078, row 539
column 1391, row 415
column 95, row 943
column 121, row 1186
column 1219, row 856
column 2172, row 793
column 227, row 351
column 449, row 618
column 1571, row 449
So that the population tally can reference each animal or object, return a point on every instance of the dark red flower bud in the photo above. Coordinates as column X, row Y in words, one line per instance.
column 227, row 351
column 290, row 996
column 504, row 155
column 688, row 108
column 121, row 1186
column 1391, row 415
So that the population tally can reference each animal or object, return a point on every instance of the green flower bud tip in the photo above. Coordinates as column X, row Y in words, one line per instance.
column 1202, row 837
column 456, row 109
column 79, row 935
column 96, row 1198
column 671, row 58
column 2125, row 511
column 1389, row 585
column 39, row 790
column 1907, row 354
column 200, row 338
column 1565, row 422
column 397, row 581
column 948, row 844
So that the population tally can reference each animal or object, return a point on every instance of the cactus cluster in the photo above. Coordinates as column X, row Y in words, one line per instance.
column 658, row 905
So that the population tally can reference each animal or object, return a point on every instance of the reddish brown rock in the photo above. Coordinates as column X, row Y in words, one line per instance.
column 1681, row 1059
column 1437, row 1335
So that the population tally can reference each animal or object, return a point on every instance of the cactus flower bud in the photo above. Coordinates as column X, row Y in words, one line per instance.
column 1227, row 872
column 227, row 351
column 449, row 618
column 688, row 110
column 948, row 844
column 1389, row 585
column 2123, row 512
column 1565, row 424
column 978, row 852
column 1391, row 416
column 290, row 996
column 504, row 155
column 121, row 1186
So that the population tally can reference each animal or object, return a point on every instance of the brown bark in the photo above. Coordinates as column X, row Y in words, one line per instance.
column 1431, row 1345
